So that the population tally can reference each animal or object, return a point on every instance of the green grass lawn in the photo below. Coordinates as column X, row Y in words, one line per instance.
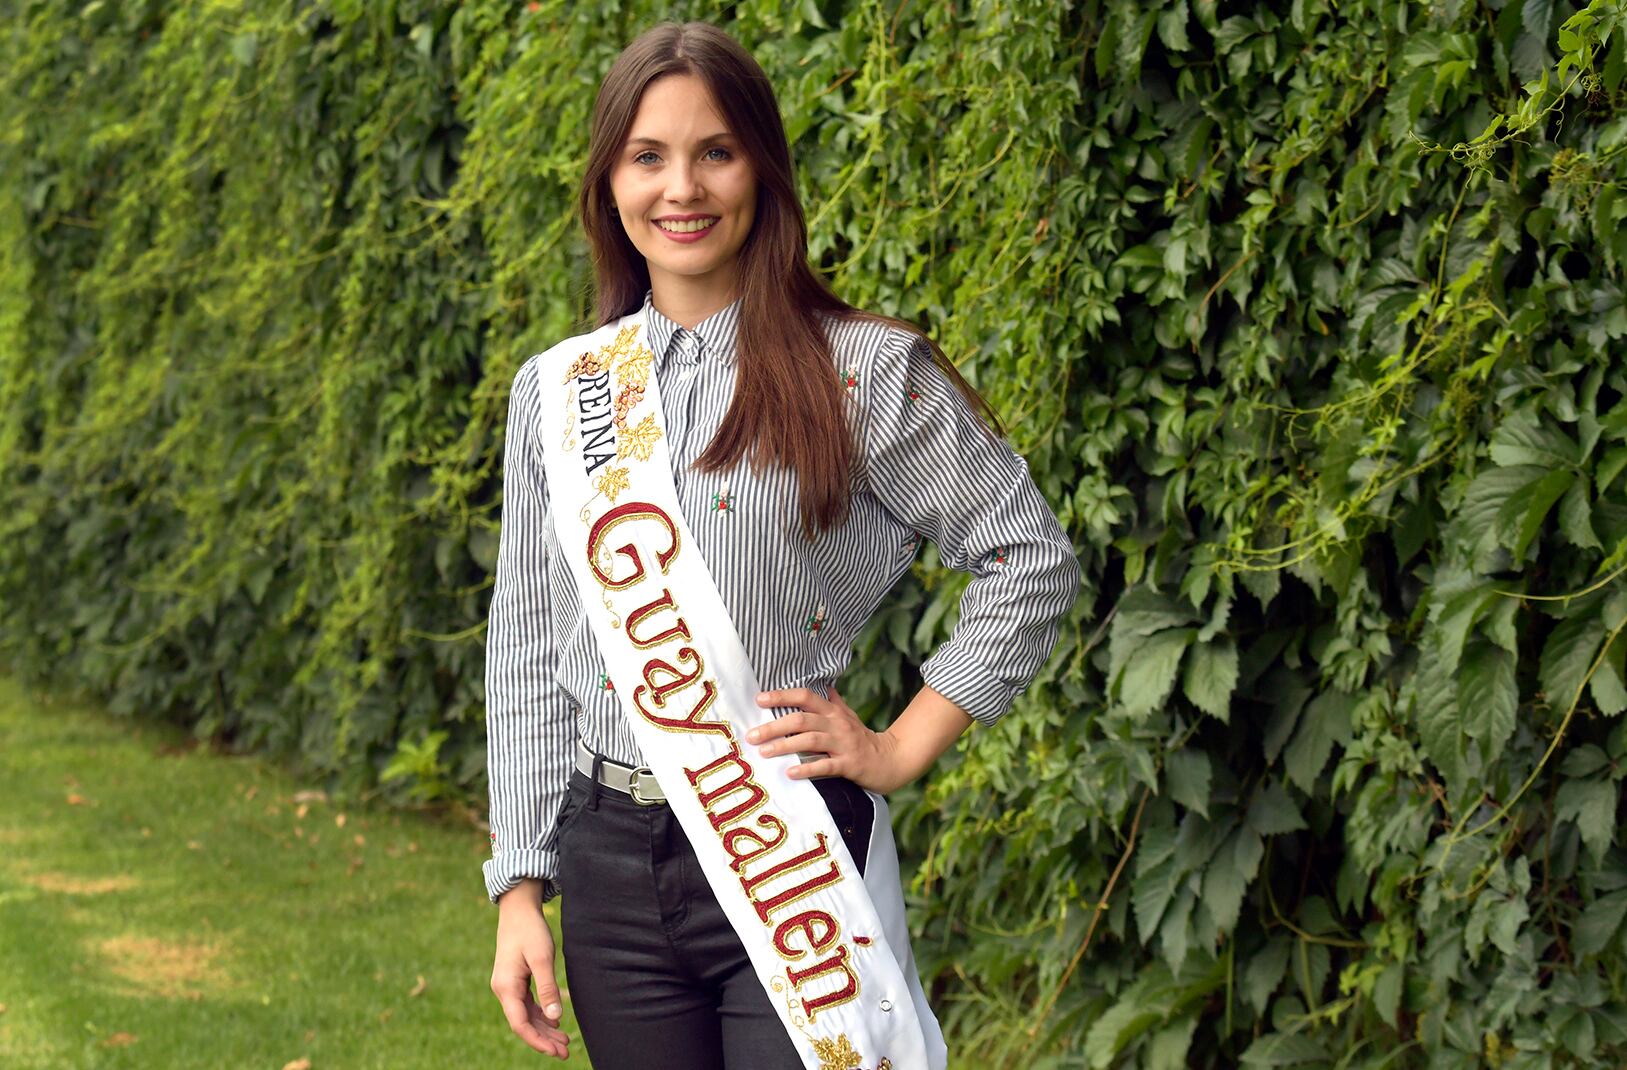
column 165, row 906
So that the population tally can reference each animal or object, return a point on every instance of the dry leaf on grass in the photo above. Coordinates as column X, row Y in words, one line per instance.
column 418, row 989
column 76, row 799
column 310, row 796
column 119, row 1040
column 302, row 1063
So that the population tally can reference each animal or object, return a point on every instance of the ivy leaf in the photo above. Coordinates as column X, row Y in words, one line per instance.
column 1149, row 675
column 1140, row 613
column 1387, row 992
column 1172, row 27
column 1186, row 773
column 1155, row 877
column 1117, row 1026
column 1175, row 934
column 1272, row 812
column 1326, row 721
column 1264, row 973
column 1598, row 923
column 1575, row 517
column 1435, row 710
column 1521, row 516
column 1285, row 1049
column 1567, row 656
column 1524, row 440
column 1487, row 697
column 1584, row 761
column 1536, row 16
column 1486, row 499
column 1591, row 804
column 1211, row 676
column 1167, row 1050
column 1609, row 683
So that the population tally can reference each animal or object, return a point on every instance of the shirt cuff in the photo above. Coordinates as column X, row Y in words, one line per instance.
column 505, row 871
column 982, row 694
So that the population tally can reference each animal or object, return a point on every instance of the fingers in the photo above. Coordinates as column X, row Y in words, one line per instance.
column 528, row 1021
column 817, row 767
column 790, row 724
column 792, row 697
column 801, row 742
column 520, row 960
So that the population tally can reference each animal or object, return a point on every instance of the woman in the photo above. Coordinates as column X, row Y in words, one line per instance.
column 809, row 447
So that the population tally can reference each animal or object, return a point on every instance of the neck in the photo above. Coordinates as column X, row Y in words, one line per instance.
column 687, row 301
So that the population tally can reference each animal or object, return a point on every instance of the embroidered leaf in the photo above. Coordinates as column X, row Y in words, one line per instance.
column 638, row 442
column 611, row 482
column 837, row 1054
column 624, row 346
column 635, row 366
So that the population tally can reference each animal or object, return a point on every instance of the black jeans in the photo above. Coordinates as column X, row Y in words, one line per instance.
column 657, row 976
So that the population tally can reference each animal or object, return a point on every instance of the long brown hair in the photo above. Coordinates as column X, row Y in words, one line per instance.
column 785, row 362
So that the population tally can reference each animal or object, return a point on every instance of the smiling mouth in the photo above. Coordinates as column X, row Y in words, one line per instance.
column 688, row 226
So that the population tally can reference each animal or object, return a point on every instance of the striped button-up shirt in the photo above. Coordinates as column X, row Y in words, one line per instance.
column 924, row 468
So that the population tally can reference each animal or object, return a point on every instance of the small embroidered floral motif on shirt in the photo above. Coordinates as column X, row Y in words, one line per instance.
column 604, row 682
column 722, row 501
column 816, row 620
column 851, row 378
column 1000, row 555
column 911, row 395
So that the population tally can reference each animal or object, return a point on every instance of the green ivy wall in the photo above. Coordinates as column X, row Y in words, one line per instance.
column 1309, row 318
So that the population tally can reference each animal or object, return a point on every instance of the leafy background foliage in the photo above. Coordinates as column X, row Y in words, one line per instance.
column 1308, row 318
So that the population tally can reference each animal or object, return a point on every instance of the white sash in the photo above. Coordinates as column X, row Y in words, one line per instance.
column 830, row 948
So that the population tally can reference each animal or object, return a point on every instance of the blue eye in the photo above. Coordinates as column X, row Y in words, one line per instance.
column 640, row 157
column 719, row 148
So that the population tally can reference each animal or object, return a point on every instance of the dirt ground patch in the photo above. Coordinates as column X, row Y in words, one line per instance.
column 166, row 967
column 71, row 885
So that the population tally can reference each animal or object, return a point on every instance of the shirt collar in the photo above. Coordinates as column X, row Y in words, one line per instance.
column 716, row 335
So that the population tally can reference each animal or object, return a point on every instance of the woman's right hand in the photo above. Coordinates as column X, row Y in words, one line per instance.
column 525, row 950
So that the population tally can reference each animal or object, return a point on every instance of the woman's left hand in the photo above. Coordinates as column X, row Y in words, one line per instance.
column 828, row 726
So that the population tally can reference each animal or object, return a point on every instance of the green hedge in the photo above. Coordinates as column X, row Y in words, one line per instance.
column 1309, row 318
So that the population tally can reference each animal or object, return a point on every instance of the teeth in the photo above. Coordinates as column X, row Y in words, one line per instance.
column 686, row 227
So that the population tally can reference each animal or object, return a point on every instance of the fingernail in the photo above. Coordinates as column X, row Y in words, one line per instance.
column 751, row 737
column 552, row 1010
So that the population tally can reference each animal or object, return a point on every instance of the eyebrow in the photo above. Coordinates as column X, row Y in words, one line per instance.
column 707, row 140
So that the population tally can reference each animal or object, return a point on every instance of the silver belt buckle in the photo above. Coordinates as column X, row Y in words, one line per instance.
column 635, row 778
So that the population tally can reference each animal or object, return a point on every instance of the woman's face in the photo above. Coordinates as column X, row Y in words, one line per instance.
column 685, row 192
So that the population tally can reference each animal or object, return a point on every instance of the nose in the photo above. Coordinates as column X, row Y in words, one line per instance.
column 683, row 185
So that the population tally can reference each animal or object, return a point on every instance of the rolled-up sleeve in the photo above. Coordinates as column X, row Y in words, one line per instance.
column 931, row 463
column 530, row 719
